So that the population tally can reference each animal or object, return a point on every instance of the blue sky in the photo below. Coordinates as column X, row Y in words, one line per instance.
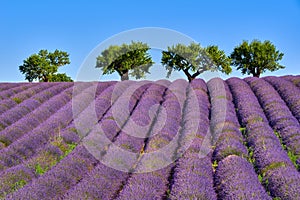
column 79, row 26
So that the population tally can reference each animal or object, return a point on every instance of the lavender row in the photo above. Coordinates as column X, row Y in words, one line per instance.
column 193, row 178
column 148, row 186
column 18, row 87
column 227, row 138
column 7, row 86
column 236, row 179
column 196, row 118
column 279, row 115
column 13, row 115
column 294, row 79
column 288, row 92
column 268, row 154
column 21, row 96
column 34, row 118
column 6, row 105
column 104, row 178
column 193, row 173
column 100, row 183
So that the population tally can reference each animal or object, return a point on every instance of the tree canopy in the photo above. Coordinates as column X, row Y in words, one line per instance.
column 256, row 57
column 44, row 66
column 124, row 59
column 194, row 60
column 60, row 77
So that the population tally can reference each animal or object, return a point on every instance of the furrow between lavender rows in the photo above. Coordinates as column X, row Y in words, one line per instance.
column 269, row 158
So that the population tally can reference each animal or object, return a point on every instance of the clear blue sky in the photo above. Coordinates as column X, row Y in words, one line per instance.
column 79, row 26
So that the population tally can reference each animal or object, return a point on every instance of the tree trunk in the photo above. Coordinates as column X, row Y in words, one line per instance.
column 188, row 75
column 256, row 73
column 124, row 76
column 45, row 78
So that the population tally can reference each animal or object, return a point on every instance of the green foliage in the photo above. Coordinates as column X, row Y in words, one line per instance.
column 243, row 131
column 215, row 165
column 251, row 158
column 126, row 58
column 219, row 58
column 221, row 97
column 18, row 185
column 293, row 157
column 69, row 149
column 194, row 60
column 17, row 100
column 73, row 130
column 46, row 160
column 256, row 57
column 43, row 65
column 40, row 170
column 260, row 178
column 272, row 166
column 60, row 78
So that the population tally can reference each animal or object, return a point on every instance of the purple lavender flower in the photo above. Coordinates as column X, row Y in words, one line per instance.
column 102, row 182
column 193, row 178
column 288, row 92
column 236, row 179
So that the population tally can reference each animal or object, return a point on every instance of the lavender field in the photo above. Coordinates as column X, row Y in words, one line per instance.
column 232, row 139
